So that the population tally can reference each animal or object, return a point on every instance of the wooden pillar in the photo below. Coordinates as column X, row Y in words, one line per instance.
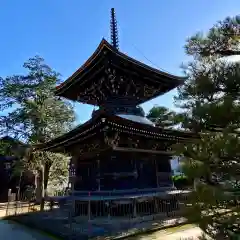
column 109, row 210
column 98, row 174
column 73, row 172
column 89, row 206
column 136, row 171
column 156, row 205
column 135, row 208
column 156, row 168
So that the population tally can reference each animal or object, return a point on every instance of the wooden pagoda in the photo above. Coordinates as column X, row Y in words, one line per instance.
column 118, row 152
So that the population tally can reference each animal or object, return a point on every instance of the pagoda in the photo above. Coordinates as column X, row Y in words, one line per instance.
column 118, row 153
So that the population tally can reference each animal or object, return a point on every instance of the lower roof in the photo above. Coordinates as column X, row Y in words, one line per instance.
column 120, row 123
column 137, row 119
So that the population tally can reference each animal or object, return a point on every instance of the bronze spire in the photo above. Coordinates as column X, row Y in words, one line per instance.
column 114, row 30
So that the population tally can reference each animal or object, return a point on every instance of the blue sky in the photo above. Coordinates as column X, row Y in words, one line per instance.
column 66, row 33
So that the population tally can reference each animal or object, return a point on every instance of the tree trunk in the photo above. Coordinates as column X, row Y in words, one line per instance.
column 42, row 190
column 195, row 183
column 46, row 175
column 39, row 187
column 19, row 186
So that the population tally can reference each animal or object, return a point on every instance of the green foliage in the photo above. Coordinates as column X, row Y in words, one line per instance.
column 179, row 177
column 163, row 117
column 182, row 181
column 35, row 115
column 221, row 40
column 4, row 148
column 210, row 101
column 59, row 170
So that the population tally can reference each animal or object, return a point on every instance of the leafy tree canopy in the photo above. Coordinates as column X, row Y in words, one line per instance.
column 34, row 115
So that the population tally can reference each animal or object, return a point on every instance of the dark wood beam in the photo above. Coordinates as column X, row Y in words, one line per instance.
column 93, row 154
column 122, row 149
column 140, row 75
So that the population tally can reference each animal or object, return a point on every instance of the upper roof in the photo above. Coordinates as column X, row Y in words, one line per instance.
column 110, row 73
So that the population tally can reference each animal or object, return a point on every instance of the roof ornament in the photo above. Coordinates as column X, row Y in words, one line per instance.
column 114, row 30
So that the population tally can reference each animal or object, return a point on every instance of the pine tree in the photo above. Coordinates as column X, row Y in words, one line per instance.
column 210, row 99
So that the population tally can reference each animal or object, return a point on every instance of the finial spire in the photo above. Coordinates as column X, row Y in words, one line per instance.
column 114, row 30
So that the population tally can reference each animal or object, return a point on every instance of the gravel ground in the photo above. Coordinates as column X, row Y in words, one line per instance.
column 185, row 232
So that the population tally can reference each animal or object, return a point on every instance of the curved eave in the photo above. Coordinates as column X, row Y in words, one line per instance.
column 104, row 44
column 59, row 144
column 147, row 67
column 152, row 130
column 60, row 87
column 71, row 135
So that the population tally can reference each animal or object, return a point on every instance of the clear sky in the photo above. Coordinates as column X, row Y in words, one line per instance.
column 66, row 32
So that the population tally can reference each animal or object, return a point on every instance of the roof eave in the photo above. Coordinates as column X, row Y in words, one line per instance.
column 97, row 52
column 57, row 144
